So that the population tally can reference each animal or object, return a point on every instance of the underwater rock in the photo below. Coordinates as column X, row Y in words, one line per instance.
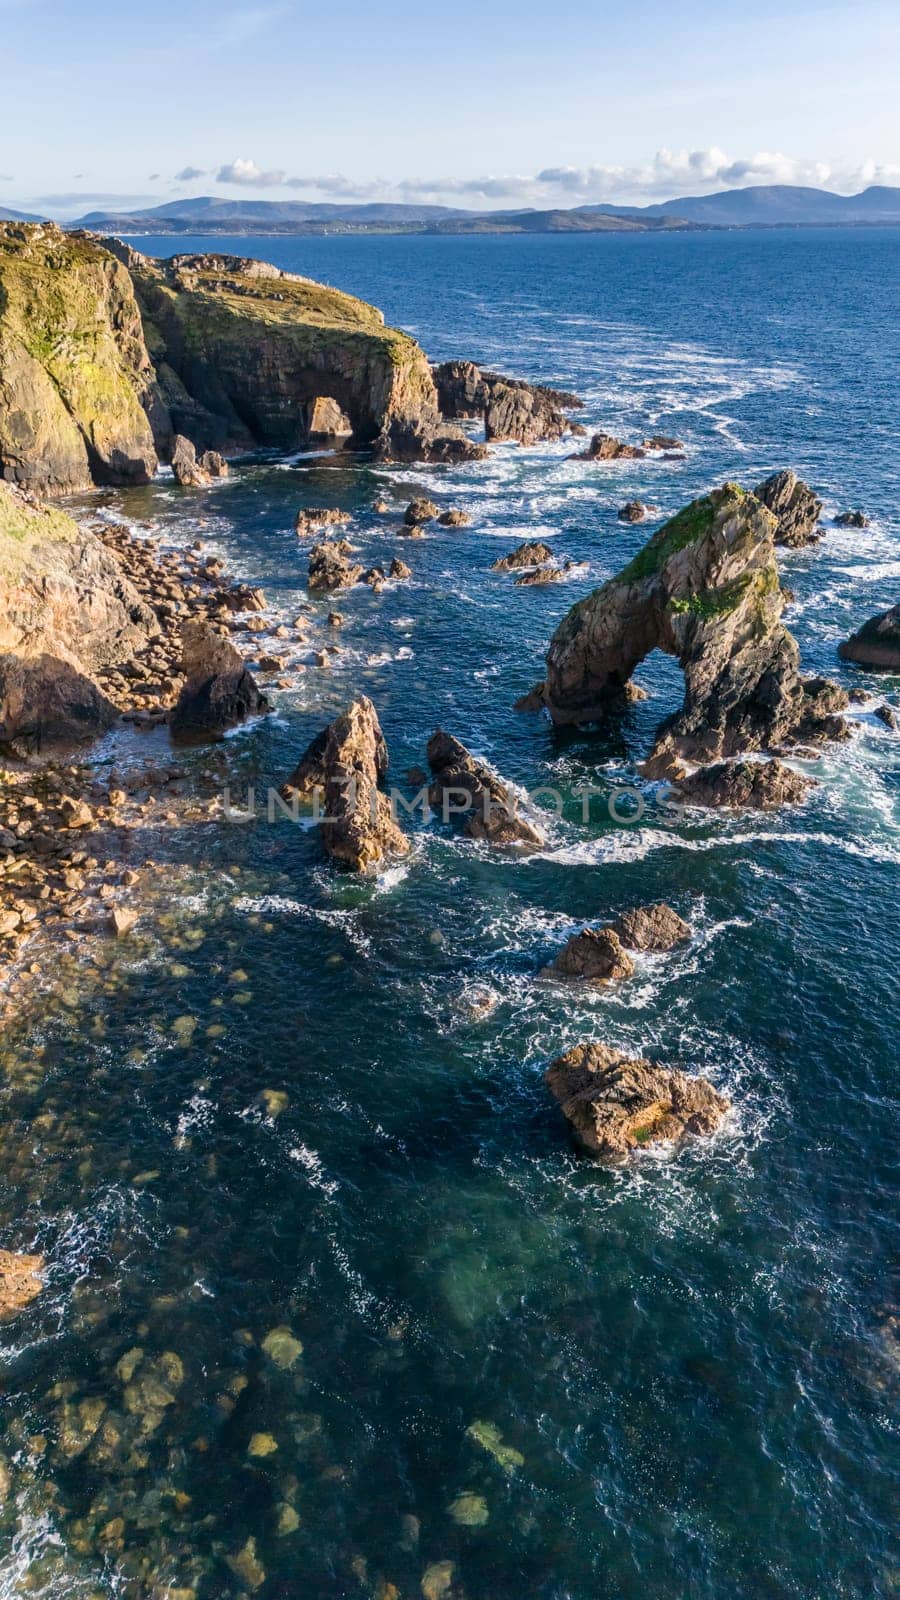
column 877, row 643
column 262, row 1445
column 282, row 1348
column 489, row 1437
column 595, row 955
column 437, row 1580
column 123, row 919
column 218, row 691
column 20, row 1281
column 653, row 928
column 469, row 1510
column 344, row 766
column 795, row 508
column 247, row 1566
column 616, row 1104
column 464, row 786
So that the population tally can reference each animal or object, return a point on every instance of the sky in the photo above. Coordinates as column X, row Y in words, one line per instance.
column 482, row 104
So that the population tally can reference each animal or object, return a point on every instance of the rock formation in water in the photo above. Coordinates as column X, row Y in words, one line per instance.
column 593, row 956
column 465, row 787
column 530, row 554
column 330, row 567
column 616, row 1105
column 704, row 589
column 744, row 786
column 192, row 471
column 419, row 511
column 651, row 928
column 877, row 643
column 310, row 519
column 796, row 509
column 525, row 413
column 344, row 769
column 76, row 380
column 604, row 447
column 540, row 576
column 635, row 511
column 218, row 692
column 851, row 519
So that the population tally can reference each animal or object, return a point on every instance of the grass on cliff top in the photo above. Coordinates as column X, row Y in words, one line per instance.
column 22, row 526
column 689, row 525
column 280, row 300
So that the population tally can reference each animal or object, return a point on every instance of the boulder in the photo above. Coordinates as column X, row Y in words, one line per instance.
column 744, row 786
column 851, row 519
column 343, row 769
column 47, row 705
column 330, row 567
column 214, row 464
column 541, row 576
column 705, row 589
column 326, row 420
column 20, row 1281
column 795, row 508
column 186, row 469
column 595, row 956
column 454, row 519
column 886, row 714
column 419, row 511
column 661, row 441
column 310, row 518
column 218, row 691
column 605, row 447
column 464, row 786
column 243, row 597
column 652, row 928
column 616, row 1104
column 635, row 511
column 530, row 554
column 877, row 644
column 399, row 570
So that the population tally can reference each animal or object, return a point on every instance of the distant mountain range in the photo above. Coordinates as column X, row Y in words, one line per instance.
column 779, row 205
column 17, row 216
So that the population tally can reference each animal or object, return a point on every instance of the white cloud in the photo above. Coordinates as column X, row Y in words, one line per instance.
column 249, row 175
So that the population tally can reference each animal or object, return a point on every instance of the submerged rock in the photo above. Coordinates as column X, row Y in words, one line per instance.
column 530, row 554
column 469, row 1510
column 616, row 1104
column 877, row 644
column 464, row 786
column 795, row 508
column 218, row 692
column 489, row 1437
column 281, row 1347
column 651, row 928
column 343, row 769
column 745, row 785
column 594, row 956
column 20, row 1281
column 705, row 589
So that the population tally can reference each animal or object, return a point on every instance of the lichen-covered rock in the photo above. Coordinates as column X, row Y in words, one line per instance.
column 466, row 787
column 343, row 770
column 76, row 380
column 530, row 554
column 218, row 692
column 330, row 567
column 605, row 447
column 616, row 1104
column 20, row 1281
column 511, row 408
column 745, row 786
column 705, row 589
column 796, row 509
column 595, row 956
column 877, row 643
column 651, row 928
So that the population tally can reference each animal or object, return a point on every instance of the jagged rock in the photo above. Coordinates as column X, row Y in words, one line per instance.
column 744, row 785
column 877, row 644
column 511, row 408
column 326, row 420
column 186, row 469
column 704, row 589
column 851, row 519
column 330, row 567
column 596, row 955
column 310, row 518
column 381, row 506
column 343, row 769
column 653, row 928
column 76, row 381
column 243, row 597
column 541, row 576
column 399, row 569
column 636, row 511
column 20, row 1281
column 454, row 519
column 660, row 441
column 418, row 511
column 218, row 692
column 605, row 447
column 530, row 554
column 795, row 508
column 886, row 714
column 464, row 786
column 616, row 1104
column 214, row 463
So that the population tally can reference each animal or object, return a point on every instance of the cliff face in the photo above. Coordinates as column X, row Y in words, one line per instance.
column 74, row 369
column 243, row 352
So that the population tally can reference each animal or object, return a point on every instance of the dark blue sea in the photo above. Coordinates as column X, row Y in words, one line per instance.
column 306, row 1105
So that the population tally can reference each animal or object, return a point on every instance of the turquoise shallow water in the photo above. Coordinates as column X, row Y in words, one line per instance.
column 692, row 1356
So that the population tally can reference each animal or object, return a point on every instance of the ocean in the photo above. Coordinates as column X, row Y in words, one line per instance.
column 521, row 1374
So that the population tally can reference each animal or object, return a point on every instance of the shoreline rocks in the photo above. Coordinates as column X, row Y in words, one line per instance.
column 218, row 692
column 616, row 1104
column 651, row 928
column 745, row 786
column 512, row 409
column 594, row 956
column 330, row 567
column 606, row 447
column 876, row 645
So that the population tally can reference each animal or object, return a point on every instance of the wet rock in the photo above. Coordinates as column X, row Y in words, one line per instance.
column 541, row 576
column 464, row 786
column 605, row 447
column 595, row 956
column 20, row 1281
column 218, row 692
column 243, row 597
column 744, row 786
column 454, row 519
column 877, row 644
column 399, row 570
column 530, row 554
column 660, row 441
column 511, row 408
column 652, row 928
column 851, row 519
column 310, row 519
column 344, row 767
column 261, row 1445
column 419, row 511
column 635, row 511
column 214, row 463
column 335, row 619
column 795, row 508
column 330, row 567
column 616, row 1104
column 186, row 469
column 886, row 714
column 382, row 507
column 437, row 1580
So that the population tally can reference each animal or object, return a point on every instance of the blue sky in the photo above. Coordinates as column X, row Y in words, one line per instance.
column 500, row 102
